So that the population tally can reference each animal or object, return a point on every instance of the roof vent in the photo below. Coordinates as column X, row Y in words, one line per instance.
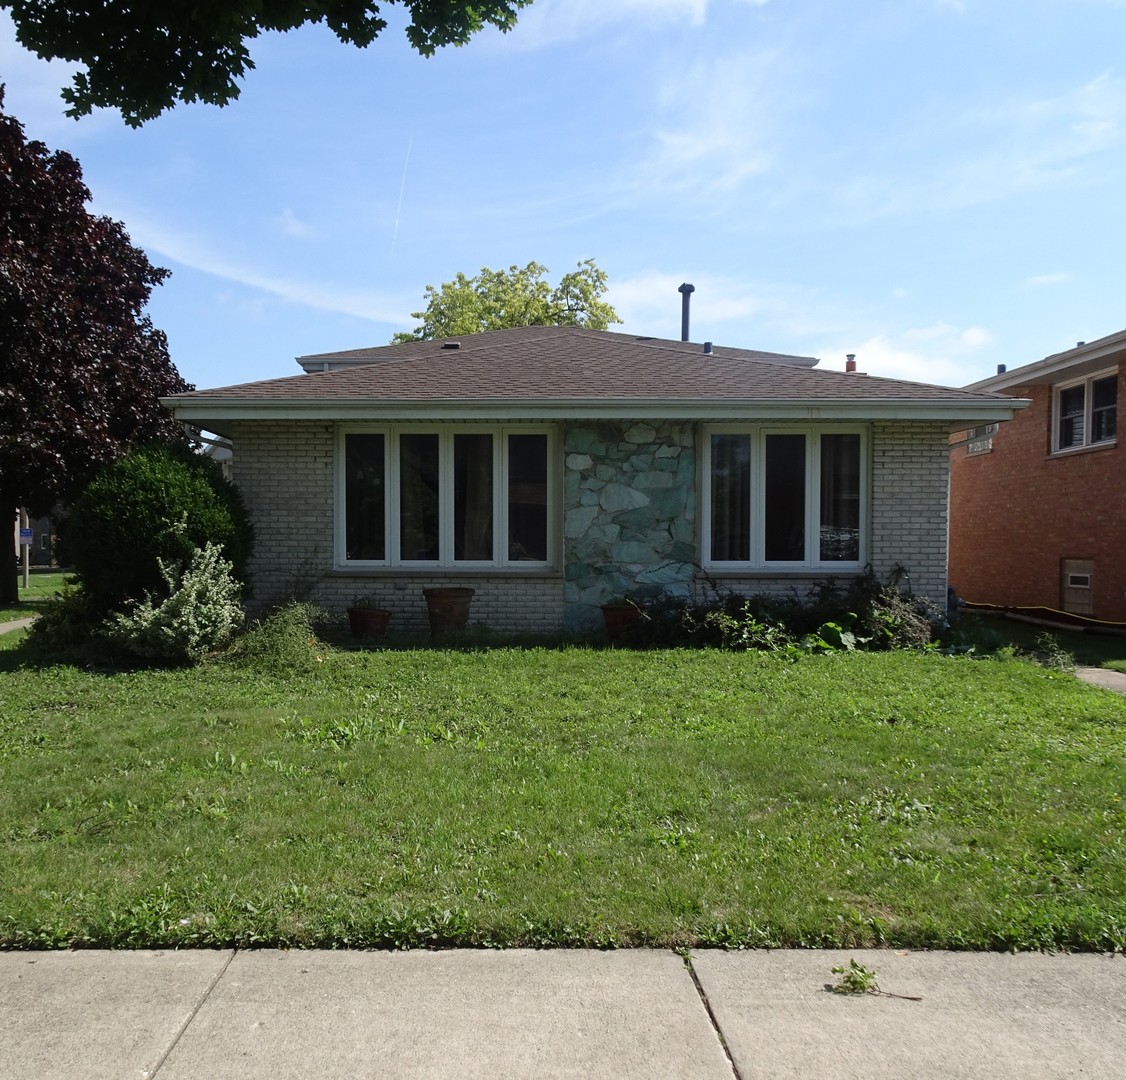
column 1001, row 369
column 1080, row 344
column 686, row 292
column 451, row 344
column 850, row 361
column 707, row 348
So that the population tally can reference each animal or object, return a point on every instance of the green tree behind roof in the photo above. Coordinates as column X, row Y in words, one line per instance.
column 518, row 296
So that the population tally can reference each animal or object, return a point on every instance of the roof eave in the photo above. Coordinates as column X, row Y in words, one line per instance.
column 1082, row 360
column 953, row 410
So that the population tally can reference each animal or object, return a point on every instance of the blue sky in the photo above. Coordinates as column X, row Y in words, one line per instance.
column 934, row 185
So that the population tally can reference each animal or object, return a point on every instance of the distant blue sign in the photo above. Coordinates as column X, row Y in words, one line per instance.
column 25, row 536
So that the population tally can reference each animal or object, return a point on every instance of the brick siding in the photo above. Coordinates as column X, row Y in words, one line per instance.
column 1018, row 511
column 909, row 480
column 285, row 470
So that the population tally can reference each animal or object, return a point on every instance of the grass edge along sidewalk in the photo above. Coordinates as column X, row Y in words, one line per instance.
column 564, row 797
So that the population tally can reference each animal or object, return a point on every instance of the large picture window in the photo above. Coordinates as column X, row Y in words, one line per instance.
column 1086, row 413
column 447, row 497
column 785, row 498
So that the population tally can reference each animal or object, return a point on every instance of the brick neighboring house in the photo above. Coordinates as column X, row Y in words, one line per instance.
column 552, row 468
column 1038, row 506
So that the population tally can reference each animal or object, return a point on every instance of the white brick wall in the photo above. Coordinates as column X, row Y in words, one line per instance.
column 285, row 471
column 910, row 480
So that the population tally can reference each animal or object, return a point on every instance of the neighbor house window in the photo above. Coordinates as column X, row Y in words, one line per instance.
column 784, row 498
column 445, row 497
column 1086, row 413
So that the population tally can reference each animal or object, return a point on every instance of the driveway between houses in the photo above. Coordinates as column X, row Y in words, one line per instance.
column 559, row 1013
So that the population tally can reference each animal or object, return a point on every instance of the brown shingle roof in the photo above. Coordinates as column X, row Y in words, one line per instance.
column 570, row 364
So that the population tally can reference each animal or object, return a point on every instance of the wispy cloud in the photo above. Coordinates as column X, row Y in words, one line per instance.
column 1040, row 281
column 190, row 251
column 550, row 22
column 289, row 224
column 941, row 354
column 990, row 153
column 715, row 125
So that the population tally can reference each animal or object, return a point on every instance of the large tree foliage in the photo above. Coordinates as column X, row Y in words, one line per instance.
column 142, row 56
column 81, row 366
column 518, row 296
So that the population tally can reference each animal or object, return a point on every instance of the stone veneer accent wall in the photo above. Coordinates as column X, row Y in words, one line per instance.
column 629, row 514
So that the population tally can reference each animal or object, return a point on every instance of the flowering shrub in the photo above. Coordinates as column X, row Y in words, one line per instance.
column 200, row 613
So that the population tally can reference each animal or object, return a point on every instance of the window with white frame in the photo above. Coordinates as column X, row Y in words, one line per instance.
column 785, row 498
column 445, row 496
column 1086, row 413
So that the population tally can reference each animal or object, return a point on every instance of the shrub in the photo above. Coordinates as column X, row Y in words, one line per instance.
column 284, row 640
column 156, row 506
column 865, row 613
column 63, row 625
column 200, row 613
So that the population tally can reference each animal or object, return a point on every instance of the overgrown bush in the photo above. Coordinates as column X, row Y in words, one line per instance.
column 862, row 613
column 63, row 625
column 199, row 613
column 285, row 639
column 157, row 505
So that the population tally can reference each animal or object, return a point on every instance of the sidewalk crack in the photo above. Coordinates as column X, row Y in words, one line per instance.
column 711, row 1016
column 191, row 1016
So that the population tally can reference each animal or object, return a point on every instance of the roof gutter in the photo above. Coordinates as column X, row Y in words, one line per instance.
column 953, row 411
column 1090, row 355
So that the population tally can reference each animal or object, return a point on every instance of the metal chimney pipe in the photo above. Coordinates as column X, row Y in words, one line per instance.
column 707, row 348
column 686, row 292
column 1000, row 369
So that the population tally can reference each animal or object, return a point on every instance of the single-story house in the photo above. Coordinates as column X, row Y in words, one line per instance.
column 1038, row 505
column 552, row 469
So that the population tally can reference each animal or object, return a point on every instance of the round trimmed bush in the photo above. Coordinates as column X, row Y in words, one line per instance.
column 161, row 502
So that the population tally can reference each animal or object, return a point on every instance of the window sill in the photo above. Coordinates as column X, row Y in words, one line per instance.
column 805, row 572
column 1094, row 448
column 443, row 572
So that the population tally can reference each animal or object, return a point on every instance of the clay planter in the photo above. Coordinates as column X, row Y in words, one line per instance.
column 448, row 609
column 619, row 618
column 368, row 622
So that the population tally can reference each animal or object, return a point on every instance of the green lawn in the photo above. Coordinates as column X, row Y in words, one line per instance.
column 576, row 796
column 41, row 586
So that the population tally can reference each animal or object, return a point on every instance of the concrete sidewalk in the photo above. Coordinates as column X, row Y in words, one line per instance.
column 513, row 1014
column 16, row 624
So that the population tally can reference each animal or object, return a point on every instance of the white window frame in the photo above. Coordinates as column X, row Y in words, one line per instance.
column 812, row 559
column 1088, row 411
column 391, row 434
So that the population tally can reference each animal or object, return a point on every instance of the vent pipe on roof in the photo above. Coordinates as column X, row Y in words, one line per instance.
column 1001, row 369
column 451, row 344
column 686, row 292
column 850, row 361
column 707, row 348
column 1080, row 344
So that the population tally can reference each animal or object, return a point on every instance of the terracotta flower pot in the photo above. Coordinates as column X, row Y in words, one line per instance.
column 368, row 622
column 619, row 618
column 448, row 608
